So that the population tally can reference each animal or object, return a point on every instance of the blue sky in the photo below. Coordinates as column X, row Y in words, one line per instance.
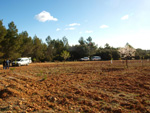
column 115, row 22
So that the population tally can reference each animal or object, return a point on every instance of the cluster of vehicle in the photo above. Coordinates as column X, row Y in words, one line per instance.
column 27, row 60
column 94, row 58
column 22, row 61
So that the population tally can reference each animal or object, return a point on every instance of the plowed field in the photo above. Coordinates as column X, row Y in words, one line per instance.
column 76, row 87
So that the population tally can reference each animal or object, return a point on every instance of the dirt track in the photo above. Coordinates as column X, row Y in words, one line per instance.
column 76, row 87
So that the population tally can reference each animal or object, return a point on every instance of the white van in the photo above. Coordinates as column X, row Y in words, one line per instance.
column 30, row 60
column 21, row 61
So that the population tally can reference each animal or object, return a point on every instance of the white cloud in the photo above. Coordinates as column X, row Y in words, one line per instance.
column 71, row 28
column 80, row 32
column 74, row 24
column 45, row 16
column 104, row 26
column 57, row 29
column 88, row 31
column 125, row 17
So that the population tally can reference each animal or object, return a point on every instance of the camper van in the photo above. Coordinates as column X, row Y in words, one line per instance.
column 22, row 61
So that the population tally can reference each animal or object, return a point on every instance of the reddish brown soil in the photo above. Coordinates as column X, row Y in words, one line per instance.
column 76, row 87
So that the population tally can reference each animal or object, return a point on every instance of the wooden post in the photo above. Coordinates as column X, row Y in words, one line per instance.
column 127, row 62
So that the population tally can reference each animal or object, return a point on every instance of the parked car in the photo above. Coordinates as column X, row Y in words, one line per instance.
column 85, row 59
column 96, row 58
column 21, row 61
column 30, row 60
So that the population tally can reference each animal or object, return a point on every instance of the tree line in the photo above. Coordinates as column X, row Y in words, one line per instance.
column 14, row 45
